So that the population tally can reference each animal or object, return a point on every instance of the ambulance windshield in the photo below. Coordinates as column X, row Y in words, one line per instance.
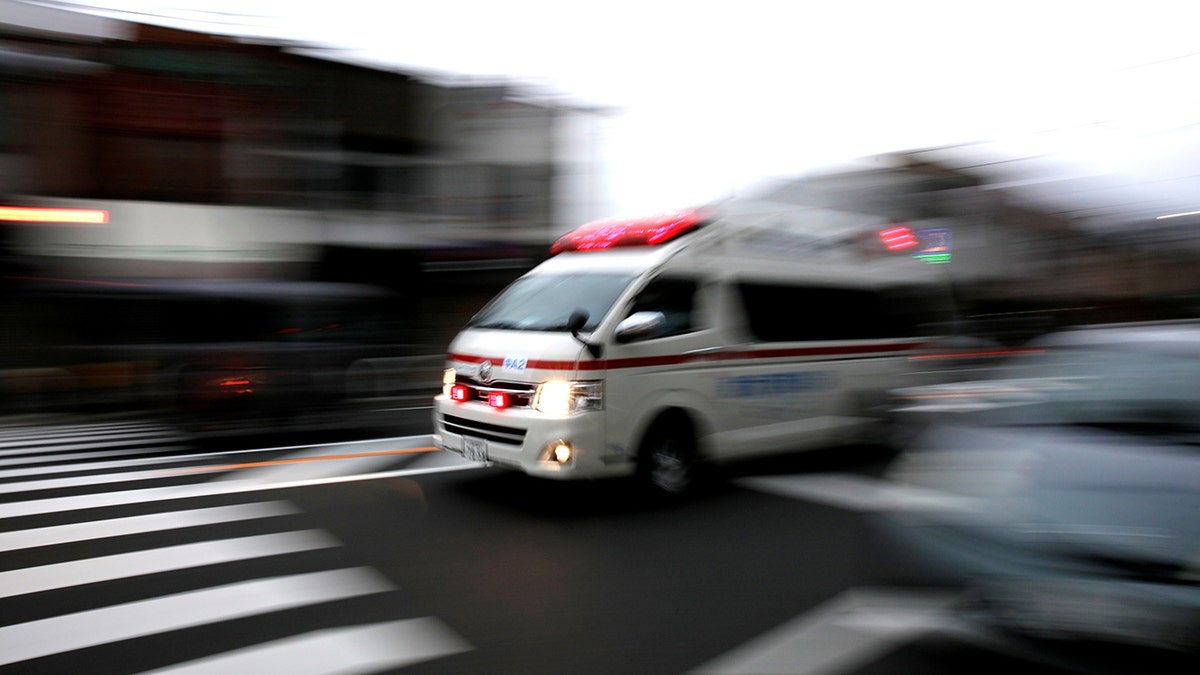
column 545, row 302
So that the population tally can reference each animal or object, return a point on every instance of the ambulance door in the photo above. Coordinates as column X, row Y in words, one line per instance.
column 651, row 367
column 782, row 386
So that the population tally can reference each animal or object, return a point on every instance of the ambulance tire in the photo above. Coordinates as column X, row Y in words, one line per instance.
column 667, row 460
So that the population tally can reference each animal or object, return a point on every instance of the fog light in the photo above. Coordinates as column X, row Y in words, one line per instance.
column 561, row 453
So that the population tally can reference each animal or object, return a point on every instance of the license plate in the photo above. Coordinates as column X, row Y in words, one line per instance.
column 475, row 449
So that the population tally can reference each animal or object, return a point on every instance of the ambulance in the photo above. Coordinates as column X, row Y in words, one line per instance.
column 658, row 346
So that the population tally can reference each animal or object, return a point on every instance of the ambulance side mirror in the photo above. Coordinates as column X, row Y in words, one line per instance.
column 575, row 323
column 639, row 326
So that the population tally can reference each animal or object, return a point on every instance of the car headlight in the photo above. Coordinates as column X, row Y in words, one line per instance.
column 561, row 397
column 449, row 377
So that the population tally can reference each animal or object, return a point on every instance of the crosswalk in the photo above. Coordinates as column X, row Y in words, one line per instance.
column 125, row 549
column 21, row 443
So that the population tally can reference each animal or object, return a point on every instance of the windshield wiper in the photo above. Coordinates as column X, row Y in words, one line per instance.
column 498, row 325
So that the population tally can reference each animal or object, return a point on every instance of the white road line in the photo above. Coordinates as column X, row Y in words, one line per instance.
column 43, row 435
column 336, row 651
column 275, row 474
column 308, row 471
column 57, row 446
column 92, row 479
column 82, row 430
column 166, row 493
column 394, row 442
column 300, row 471
column 35, row 639
column 859, row 493
column 93, row 466
column 152, row 561
column 154, row 522
column 845, row 633
column 49, row 431
column 47, row 458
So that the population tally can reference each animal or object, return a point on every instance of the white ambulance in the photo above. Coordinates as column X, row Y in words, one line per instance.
column 654, row 345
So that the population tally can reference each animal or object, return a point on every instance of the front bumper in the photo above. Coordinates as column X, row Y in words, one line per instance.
column 521, row 439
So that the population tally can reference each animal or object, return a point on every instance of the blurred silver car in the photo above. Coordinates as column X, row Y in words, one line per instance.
column 1070, row 485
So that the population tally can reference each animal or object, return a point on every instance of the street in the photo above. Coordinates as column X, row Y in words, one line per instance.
column 130, row 547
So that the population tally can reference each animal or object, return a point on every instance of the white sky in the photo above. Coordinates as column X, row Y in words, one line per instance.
column 716, row 94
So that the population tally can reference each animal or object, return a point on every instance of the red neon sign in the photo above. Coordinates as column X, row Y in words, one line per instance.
column 898, row 238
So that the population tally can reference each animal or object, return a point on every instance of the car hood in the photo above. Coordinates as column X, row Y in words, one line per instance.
column 1105, row 496
column 518, row 356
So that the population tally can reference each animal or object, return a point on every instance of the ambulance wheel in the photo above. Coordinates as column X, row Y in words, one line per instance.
column 667, row 458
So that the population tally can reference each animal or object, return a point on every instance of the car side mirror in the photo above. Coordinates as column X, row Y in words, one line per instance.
column 639, row 326
column 575, row 323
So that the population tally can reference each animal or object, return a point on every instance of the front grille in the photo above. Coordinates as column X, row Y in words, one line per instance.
column 520, row 393
column 491, row 432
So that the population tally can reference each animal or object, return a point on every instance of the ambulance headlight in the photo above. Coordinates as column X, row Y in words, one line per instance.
column 449, row 377
column 561, row 397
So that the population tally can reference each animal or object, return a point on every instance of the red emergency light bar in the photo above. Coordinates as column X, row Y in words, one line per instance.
column 614, row 232
column 55, row 216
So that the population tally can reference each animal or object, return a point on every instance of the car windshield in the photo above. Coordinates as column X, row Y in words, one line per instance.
column 1119, row 386
column 545, row 302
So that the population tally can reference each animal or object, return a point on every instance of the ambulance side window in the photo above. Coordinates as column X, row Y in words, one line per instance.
column 675, row 298
column 785, row 313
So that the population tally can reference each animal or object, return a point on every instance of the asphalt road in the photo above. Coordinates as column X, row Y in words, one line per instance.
column 129, row 547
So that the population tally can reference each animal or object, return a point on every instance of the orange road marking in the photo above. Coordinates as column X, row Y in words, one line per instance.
column 297, row 460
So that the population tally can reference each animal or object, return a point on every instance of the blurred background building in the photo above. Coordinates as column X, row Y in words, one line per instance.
column 217, row 157
column 181, row 155
column 189, row 155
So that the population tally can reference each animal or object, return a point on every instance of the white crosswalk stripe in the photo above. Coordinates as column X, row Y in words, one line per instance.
column 44, row 637
column 39, row 469
column 71, row 456
column 15, row 440
column 846, row 633
column 151, row 522
column 124, row 565
column 144, row 487
column 862, row 624
column 358, row 649
column 72, row 481
column 76, row 481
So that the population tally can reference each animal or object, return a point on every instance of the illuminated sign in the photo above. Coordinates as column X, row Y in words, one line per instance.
column 934, row 245
column 56, row 216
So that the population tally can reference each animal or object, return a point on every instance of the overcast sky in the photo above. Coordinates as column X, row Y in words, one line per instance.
column 715, row 94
